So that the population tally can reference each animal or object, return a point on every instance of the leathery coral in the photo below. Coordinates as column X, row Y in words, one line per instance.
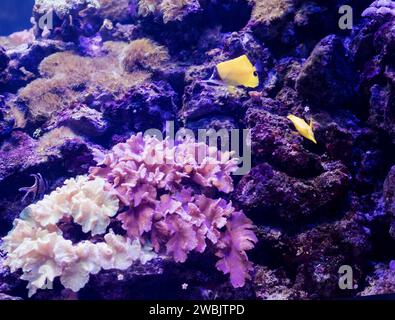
column 152, row 177
column 85, row 201
column 155, row 188
column 37, row 246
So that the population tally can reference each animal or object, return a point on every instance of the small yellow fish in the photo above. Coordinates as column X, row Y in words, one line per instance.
column 305, row 130
column 238, row 72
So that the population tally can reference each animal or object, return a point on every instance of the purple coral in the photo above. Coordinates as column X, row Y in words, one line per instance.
column 153, row 180
column 380, row 8
column 237, row 239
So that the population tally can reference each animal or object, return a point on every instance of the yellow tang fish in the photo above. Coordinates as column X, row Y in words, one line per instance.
column 305, row 130
column 238, row 72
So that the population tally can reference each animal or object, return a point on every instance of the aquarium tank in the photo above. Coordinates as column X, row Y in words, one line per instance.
column 197, row 150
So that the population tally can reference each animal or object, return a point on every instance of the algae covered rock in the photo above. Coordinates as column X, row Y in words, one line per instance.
column 273, row 140
column 4, row 59
column 327, row 78
column 66, row 20
column 381, row 281
column 268, row 191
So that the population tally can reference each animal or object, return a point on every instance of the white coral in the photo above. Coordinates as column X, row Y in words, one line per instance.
column 118, row 252
column 64, row 7
column 43, row 255
column 36, row 245
column 147, row 7
column 171, row 10
column 34, row 250
column 92, row 206
column 87, row 202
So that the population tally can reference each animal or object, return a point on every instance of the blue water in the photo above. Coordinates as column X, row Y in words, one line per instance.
column 15, row 15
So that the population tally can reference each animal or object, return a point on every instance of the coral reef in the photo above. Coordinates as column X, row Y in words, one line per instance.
column 380, row 282
column 388, row 195
column 133, row 174
column 176, row 9
column 115, row 10
column 49, row 143
column 266, row 12
column 268, row 190
column 3, row 59
column 79, row 90
column 148, row 7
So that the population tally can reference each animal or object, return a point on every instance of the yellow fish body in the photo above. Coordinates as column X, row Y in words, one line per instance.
column 305, row 130
column 238, row 72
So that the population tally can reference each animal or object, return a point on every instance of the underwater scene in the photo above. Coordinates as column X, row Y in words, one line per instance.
column 197, row 149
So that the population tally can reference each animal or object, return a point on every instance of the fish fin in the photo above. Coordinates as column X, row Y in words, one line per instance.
column 312, row 134
column 213, row 81
column 212, row 77
column 215, row 75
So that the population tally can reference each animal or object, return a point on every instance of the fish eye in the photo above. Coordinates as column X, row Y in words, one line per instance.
column 255, row 74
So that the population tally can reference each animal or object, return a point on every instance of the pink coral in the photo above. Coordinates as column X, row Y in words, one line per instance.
column 156, row 189
column 152, row 178
column 147, row 160
column 237, row 239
